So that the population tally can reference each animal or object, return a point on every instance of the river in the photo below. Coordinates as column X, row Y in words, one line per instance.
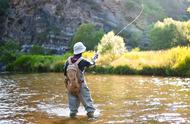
column 42, row 99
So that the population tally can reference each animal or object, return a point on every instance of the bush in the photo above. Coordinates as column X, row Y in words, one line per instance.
column 9, row 51
column 37, row 50
column 134, row 39
column 188, row 9
column 39, row 63
column 168, row 34
column 4, row 5
column 88, row 34
column 112, row 44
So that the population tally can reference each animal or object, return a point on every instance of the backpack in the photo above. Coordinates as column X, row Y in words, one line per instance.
column 73, row 76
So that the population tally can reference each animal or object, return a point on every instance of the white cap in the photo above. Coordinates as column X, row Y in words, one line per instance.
column 79, row 48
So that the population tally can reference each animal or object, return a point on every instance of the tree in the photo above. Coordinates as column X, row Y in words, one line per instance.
column 167, row 34
column 188, row 9
column 9, row 51
column 88, row 34
column 112, row 44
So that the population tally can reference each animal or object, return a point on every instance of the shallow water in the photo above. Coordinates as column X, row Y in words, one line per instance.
column 42, row 99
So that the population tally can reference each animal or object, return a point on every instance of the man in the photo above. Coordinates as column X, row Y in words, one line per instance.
column 84, row 95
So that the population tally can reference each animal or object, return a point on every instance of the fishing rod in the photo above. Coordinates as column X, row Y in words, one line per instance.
column 134, row 20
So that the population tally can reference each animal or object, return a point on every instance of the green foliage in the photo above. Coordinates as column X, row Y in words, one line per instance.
column 173, row 62
column 9, row 51
column 88, row 34
column 134, row 39
column 167, row 34
column 37, row 50
column 4, row 5
column 112, row 44
column 39, row 63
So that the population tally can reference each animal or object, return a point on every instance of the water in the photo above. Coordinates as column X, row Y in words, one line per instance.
column 42, row 99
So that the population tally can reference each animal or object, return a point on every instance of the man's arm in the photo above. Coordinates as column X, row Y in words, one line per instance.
column 88, row 63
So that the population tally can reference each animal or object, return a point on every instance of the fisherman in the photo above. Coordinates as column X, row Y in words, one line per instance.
column 83, row 95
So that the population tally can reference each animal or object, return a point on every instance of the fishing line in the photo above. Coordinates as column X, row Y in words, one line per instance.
column 134, row 20
column 140, row 13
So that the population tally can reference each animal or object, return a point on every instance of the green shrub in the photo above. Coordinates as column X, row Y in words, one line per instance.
column 4, row 5
column 39, row 63
column 23, row 63
column 87, row 34
column 168, row 34
column 58, row 66
column 134, row 39
column 172, row 62
column 37, row 50
column 9, row 51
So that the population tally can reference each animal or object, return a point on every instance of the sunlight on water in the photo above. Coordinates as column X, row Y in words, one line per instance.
column 58, row 110
column 42, row 99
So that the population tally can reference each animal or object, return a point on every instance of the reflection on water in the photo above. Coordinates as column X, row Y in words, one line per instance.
column 42, row 99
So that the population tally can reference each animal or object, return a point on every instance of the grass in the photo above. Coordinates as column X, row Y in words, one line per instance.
column 38, row 63
column 172, row 62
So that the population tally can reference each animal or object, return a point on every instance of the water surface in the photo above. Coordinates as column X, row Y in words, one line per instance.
column 42, row 99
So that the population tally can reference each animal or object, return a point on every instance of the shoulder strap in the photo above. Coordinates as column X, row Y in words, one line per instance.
column 69, row 60
column 77, row 62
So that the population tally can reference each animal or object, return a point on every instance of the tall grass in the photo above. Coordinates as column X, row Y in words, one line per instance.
column 172, row 62
column 38, row 63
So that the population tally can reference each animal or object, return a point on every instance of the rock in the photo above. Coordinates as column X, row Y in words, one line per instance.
column 55, row 22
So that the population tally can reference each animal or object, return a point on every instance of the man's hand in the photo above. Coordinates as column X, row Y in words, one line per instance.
column 95, row 57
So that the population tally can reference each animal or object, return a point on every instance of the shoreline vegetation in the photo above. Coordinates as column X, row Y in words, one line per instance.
column 167, row 54
column 171, row 62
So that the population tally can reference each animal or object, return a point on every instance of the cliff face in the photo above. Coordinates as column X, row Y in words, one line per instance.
column 52, row 23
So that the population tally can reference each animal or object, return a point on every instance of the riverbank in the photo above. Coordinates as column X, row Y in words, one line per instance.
column 172, row 62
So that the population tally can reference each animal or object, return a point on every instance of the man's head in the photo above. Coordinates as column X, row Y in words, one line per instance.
column 79, row 48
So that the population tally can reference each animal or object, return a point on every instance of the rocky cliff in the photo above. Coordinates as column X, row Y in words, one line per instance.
column 52, row 23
